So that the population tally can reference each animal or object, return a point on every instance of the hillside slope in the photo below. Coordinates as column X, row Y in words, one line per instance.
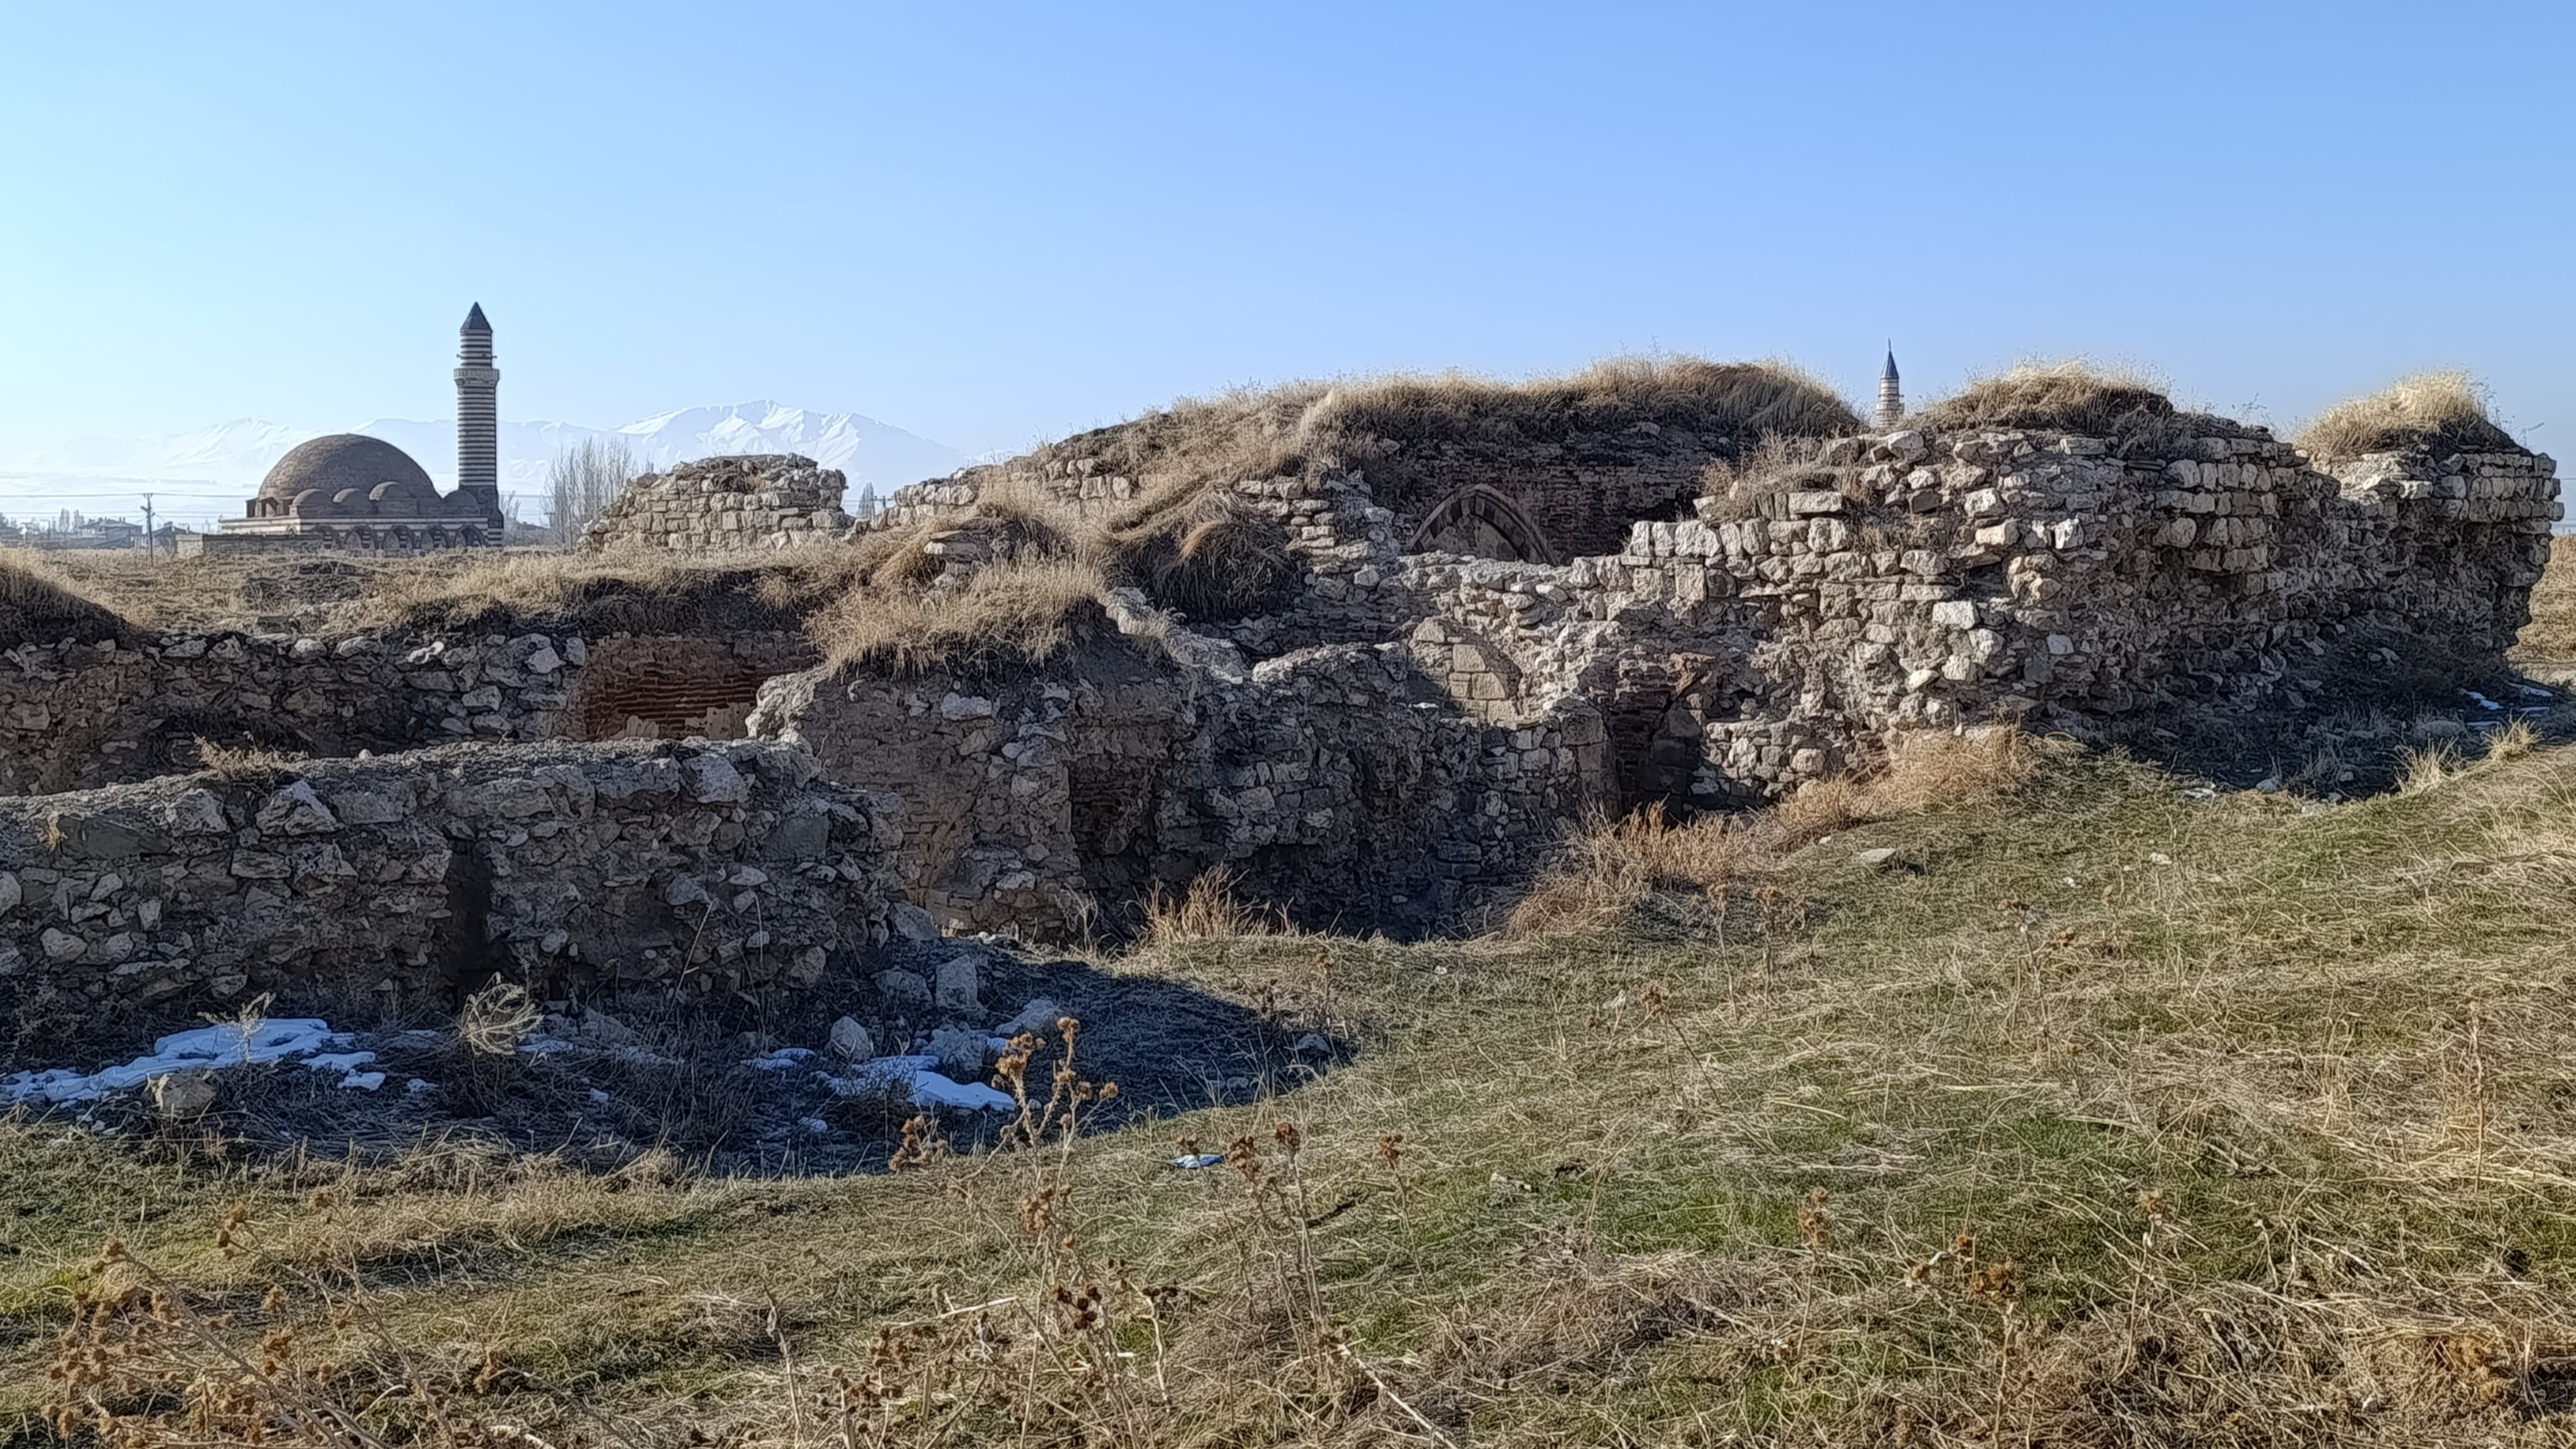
column 2096, row 1114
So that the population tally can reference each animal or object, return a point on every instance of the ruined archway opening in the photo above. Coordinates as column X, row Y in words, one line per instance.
column 1481, row 523
column 678, row 686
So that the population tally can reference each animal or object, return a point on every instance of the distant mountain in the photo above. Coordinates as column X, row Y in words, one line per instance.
column 217, row 466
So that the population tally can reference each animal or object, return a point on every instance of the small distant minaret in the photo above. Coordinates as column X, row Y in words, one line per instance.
column 478, row 418
column 1891, row 400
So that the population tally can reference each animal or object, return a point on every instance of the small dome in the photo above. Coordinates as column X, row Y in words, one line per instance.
column 330, row 465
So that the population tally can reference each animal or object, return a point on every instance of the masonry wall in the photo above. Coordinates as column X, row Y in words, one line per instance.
column 76, row 716
column 558, row 864
column 1540, row 503
column 765, row 500
column 1340, row 785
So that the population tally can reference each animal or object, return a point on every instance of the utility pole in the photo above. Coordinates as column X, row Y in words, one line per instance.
column 147, row 527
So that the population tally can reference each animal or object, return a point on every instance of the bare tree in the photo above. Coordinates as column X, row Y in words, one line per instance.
column 581, row 482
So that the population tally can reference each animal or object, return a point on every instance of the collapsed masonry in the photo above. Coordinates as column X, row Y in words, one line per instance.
column 1397, row 745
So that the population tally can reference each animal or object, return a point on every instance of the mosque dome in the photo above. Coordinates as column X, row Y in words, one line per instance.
column 328, row 466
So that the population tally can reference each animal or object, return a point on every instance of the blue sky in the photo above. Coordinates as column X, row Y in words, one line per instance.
column 992, row 223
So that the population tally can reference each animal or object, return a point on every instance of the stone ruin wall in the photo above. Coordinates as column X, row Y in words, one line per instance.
column 1403, row 743
column 700, row 867
column 1338, row 785
column 78, row 715
column 1710, row 662
column 1541, row 503
column 765, row 500
column 1959, row 580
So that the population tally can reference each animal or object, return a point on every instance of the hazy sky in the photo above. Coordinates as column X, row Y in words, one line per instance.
column 990, row 223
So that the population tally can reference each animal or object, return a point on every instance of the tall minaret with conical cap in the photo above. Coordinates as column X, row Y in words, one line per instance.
column 478, row 417
column 1891, row 400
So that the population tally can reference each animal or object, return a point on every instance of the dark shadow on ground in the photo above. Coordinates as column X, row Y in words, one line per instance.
column 738, row 1083
column 2348, row 734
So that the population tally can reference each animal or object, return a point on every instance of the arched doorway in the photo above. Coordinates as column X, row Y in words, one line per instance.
column 1480, row 522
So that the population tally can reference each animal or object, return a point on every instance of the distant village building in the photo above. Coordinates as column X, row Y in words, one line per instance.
column 350, row 491
column 1891, row 398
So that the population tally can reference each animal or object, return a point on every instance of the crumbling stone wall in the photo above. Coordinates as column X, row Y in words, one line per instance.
column 759, row 500
column 1985, row 577
column 1537, row 503
column 76, row 716
column 1340, row 785
column 423, row 875
column 1408, row 736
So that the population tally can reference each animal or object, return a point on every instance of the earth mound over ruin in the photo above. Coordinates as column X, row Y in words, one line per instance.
column 1370, row 651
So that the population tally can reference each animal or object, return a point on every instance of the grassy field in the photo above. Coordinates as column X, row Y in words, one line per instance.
column 2549, row 640
column 2098, row 1114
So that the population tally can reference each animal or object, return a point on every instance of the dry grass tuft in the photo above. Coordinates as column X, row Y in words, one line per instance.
column 2426, row 769
column 38, row 606
column 1004, row 614
column 2073, row 396
column 1213, row 557
column 1317, row 429
column 245, row 764
column 620, row 590
column 2441, row 411
column 1208, row 910
column 2513, row 742
column 1607, row 869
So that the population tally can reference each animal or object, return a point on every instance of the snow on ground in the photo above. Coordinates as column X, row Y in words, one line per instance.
column 929, row 1087
column 204, row 1049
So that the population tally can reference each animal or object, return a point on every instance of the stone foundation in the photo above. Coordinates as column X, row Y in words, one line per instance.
column 559, row 865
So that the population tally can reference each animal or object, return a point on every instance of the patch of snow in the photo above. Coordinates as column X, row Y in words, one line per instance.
column 920, row 1074
column 2533, row 691
column 203, row 1048
column 1196, row 1160
column 416, row 1086
column 815, row 1125
column 2480, row 700
column 781, row 1059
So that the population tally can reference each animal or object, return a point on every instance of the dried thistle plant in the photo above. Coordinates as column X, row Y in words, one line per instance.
column 496, row 1020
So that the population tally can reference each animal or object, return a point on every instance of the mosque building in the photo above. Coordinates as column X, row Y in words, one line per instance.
column 351, row 491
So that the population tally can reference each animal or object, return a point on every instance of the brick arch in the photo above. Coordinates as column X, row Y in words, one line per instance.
column 672, row 686
column 1478, row 520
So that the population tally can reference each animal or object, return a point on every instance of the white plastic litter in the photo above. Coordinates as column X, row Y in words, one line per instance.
column 1196, row 1160
column 205, row 1047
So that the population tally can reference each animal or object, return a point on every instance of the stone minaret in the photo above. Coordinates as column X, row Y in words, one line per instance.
column 478, row 418
column 1891, row 400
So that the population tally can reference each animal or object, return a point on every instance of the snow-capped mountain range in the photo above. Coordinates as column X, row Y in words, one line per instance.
column 216, row 467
